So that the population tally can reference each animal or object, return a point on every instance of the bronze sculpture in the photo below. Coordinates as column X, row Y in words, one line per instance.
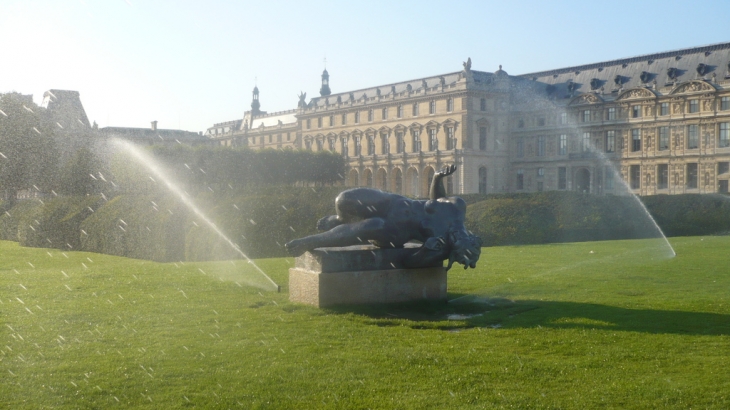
column 390, row 221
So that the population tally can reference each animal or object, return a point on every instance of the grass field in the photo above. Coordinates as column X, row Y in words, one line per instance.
column 571, row 326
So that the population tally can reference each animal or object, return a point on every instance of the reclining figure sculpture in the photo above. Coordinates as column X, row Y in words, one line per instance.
column 389, row 221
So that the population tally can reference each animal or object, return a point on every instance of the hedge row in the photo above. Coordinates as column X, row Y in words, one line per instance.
column 259, row 221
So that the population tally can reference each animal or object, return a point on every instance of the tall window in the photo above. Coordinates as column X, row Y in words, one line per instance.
column 664, row 109
column 331, row 143
column 319, row 122
column 344, row 119
column 585, row 144
column 482, row 180
column 692, row 175
column 416, row 147
column 586, row 116
column 432, row 107
column 400, row 142
column 371, row 145
column 609, row 177
column 694, row 105
column 693, row 137
column 450, row 140
column 725, row 103
column 723, row 168
column 385, row 114
column 611, row 113
column 482, row 138
column 450, row 105
column 319, row 145
column 662, row 172
column 309, row 123
column 541, row 146
column 415, row 109
column 332, row 120
column 520, row 179
column 635, row 176
column 635, row 140
column 562, row 178
column 357, row 117
column 308, row 145
column 433, row 142
column 663, row 138
column 520, row 148
column 483, row 106
column 384, row 144
column 563, row 117
column 610, row 141
column 563, row 145
column 724, row 135
column 358, row 146
column 635, row 111
column 399, row 111
column 344, row 147
column 370, row 115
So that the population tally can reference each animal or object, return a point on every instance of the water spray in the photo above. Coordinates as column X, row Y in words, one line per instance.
column 144, row 159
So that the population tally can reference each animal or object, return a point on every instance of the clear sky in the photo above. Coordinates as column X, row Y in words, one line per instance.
column 189, row 64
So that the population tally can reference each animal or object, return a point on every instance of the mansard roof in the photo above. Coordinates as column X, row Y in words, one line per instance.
column 400, row 87
column 659, row 70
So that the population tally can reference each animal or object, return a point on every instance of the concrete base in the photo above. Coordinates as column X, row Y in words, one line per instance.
column 366, row 287
column 314, row 282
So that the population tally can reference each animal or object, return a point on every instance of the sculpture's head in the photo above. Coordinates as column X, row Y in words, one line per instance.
column 465, row 248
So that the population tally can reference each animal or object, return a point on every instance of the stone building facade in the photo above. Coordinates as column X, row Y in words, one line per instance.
column 650, row 124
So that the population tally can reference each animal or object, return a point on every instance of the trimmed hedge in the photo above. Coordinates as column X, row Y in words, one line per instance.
column 11, row 218
column 57, row 223
column 137, row 226
column 261, row 220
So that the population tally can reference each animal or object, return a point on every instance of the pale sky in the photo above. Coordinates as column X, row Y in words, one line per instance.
column 189, row 64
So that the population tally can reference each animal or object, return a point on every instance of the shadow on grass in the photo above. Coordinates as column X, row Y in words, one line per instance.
column 469, row 312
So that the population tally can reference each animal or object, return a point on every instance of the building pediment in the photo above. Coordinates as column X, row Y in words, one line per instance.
column 636, row 93
column 450, row 122
column 384, row 128
column 415, row 126
column 587, row 98
column 399, row 127
column 483, row 122
column 693, row 86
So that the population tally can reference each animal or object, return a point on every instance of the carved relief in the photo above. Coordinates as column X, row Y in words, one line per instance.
column 707, row 105
column 586, row 99
column 636, row 93
column 693, row 86
column 676, row 108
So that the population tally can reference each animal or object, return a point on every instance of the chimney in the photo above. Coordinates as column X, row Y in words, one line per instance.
column 154, row 125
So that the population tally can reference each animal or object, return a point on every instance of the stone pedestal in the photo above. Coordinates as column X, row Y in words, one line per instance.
column 362, row 275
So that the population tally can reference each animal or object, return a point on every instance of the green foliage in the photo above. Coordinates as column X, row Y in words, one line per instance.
column 219, row 167
column 83, row 174
column 13, row 214
column 569, row 217
column 690, row 214
column 137, row 226
column 27, row 147
column 56, row 224
column 260, row 220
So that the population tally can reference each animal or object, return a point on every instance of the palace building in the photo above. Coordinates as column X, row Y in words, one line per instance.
column 652, row 124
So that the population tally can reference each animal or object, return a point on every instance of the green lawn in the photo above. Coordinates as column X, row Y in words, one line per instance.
column 586, row 325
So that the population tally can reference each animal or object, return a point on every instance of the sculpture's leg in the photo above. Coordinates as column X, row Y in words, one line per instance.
column 343, row 235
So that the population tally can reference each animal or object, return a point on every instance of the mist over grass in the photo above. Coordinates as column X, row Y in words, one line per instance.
column 613, row 324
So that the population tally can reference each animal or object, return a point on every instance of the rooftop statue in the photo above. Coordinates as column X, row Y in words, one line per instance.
column 390, row 221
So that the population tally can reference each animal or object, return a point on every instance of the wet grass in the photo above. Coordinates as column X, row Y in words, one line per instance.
column 586, row 325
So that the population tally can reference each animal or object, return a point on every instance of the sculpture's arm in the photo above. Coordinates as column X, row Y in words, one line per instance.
column 437, row 185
